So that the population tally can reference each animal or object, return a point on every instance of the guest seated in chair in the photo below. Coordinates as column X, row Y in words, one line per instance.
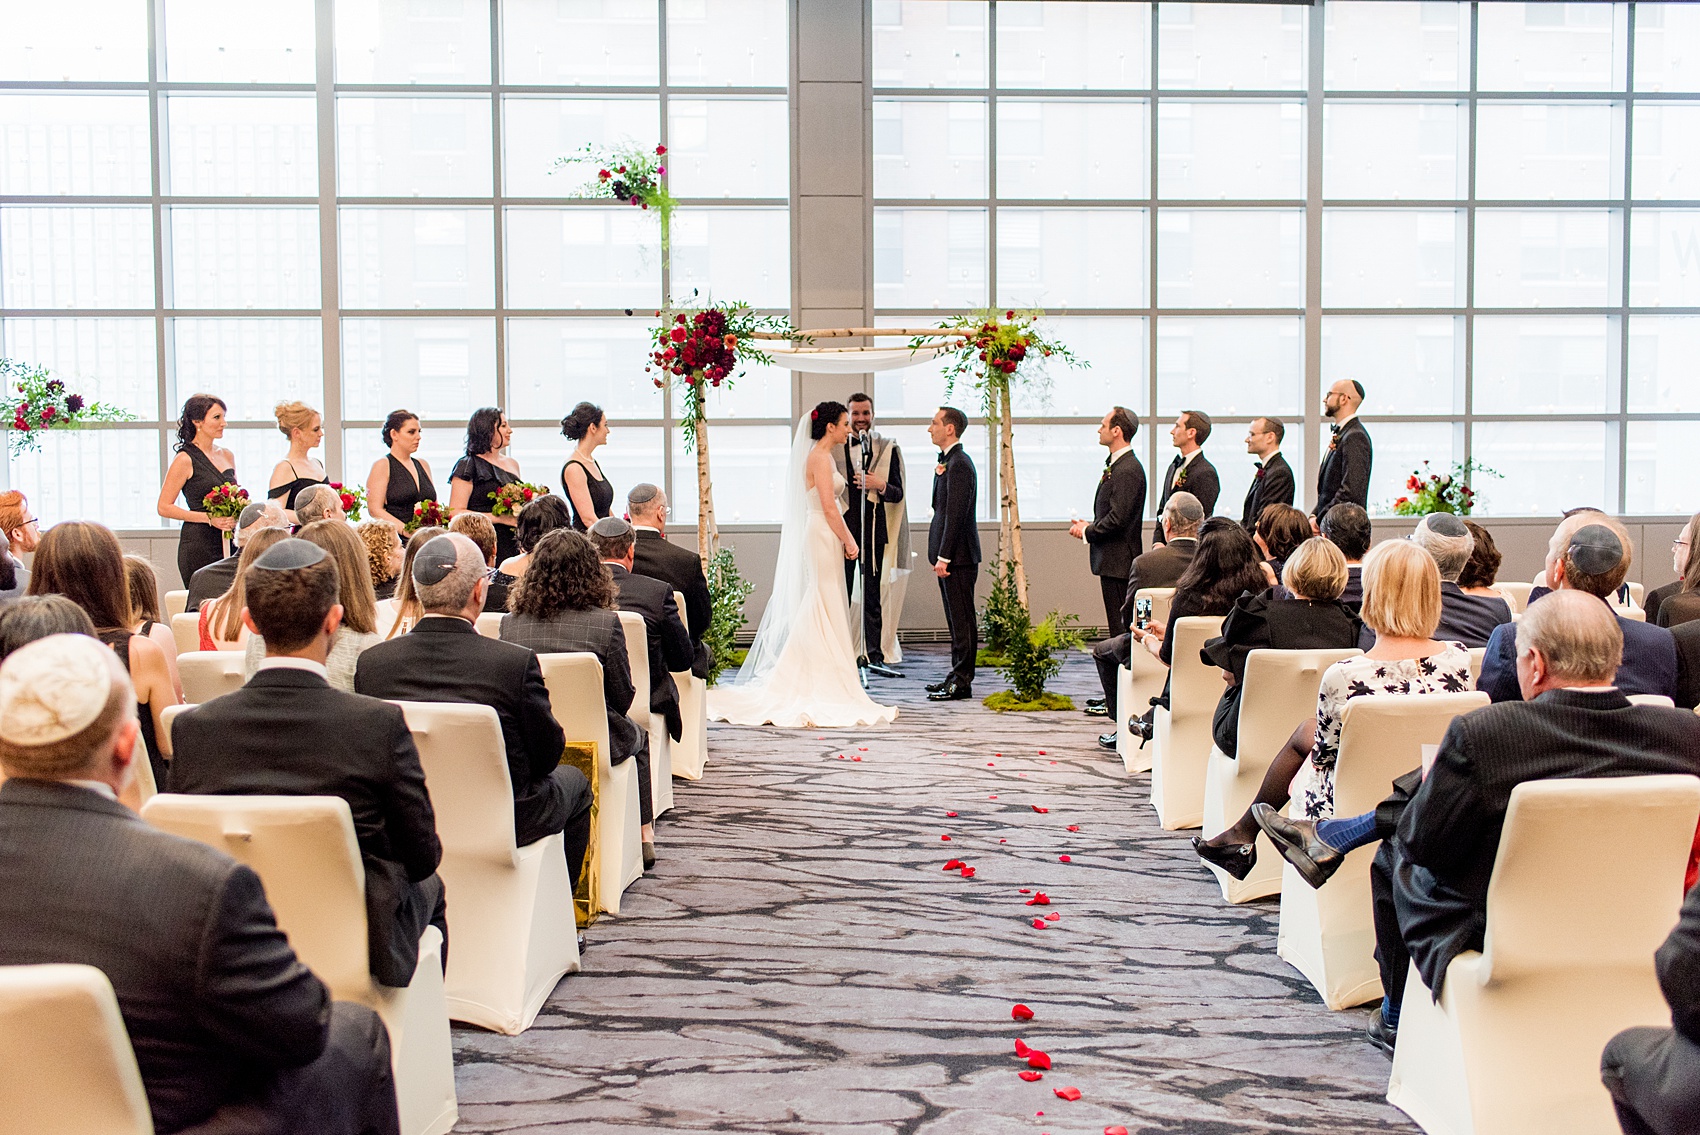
column 1466, row 619
column 1653, row 1074
column 475, row 526
column 225, row 1021
column 1685, row 564
column 318, row 502
column 445, row 659
column 216, row 578
column 1482, row 568
column 566, row 602
column 679, row 568
column 1280, row 529
column 288, row 732
column 669, row 642
column 1347, row 527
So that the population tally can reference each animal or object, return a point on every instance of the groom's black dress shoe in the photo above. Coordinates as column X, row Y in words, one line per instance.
column 1107, row 740
column 1099, row 710
column 1296, row 841
column 1381, row 1034
column 951, row 692
column 935, row 687
column 1090, row 702
column 883, row 670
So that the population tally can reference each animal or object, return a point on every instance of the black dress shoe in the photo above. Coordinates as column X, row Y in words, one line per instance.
column 1237, row 859
column 1107, row 740
column 649, row 857
column 1382, row 1035
column 1296, row 841
column 935, row 687
column 1099, row 710
column 883, row 670
column 951, row 692
column 1095, row 701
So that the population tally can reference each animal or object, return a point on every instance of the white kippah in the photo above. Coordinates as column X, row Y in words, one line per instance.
column 53, row 688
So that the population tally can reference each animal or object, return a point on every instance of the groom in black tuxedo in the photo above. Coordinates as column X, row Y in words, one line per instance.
column 953, row 548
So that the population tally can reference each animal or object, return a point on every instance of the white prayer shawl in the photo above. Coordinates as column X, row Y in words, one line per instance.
column 894, row 567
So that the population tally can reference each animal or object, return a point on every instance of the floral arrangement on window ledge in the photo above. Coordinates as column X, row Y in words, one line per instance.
column 34, row 402
column 627, row 173
column 1441, row 492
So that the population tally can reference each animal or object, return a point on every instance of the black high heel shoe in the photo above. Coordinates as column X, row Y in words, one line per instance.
column 1237, row 859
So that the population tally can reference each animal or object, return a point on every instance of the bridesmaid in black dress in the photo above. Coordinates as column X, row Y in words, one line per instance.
column 305, row 429
column 587, row 491
column 201, row 465
column 483, row 470
column 399, row 480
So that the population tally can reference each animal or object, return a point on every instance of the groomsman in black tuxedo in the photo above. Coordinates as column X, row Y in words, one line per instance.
column 1116, row 533
column 1344, row 475
column 953, row 548
column 1191, row 470
column 1273, row 482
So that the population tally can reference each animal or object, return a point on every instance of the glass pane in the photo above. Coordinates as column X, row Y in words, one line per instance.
column 585, row 257
column 412, row 41
column 97, row 257
column 1387, row 258
column 417, row 258
column 555, row 363
column 935, row 148
column 98, row 40
column 1548, row 258
column 1665, row 59
column 1234, row 366
column 1526, row 151
column 1230, row 149
column 85, row 145
column 747, row 464
column 253, row 364
column 402, row 147
column 78, row 474
column 1046, row 149
column 1074, row 45
column 1115, row 354
column 1546, row 46
column 258, row 449
column 1662, row 476
column 913, row 391
column 1547, row 467
column 1409, row 364
column 242, row 147
column 1063, row 258
column 1662, row 350
column 727, row 43
column 1057, row 468
column 923, row 43
column 109, row 360
column 615, row 43
column 1664, row 258
column 728, row 148
column 1231, row 47
column 438, row 368
column 633, row 454
column 1394, row 150
column 1554, row 364
column 214, row 41
column 760, row 392
column 537, row 131
column 1373, row 45
column 1230, row 258
column 1400, row 449
column 918, row 456
column 1667, row 151
column 1235, row 466
column 930, row 258
column 440, row 446
column 733, row 254
column 244, row 257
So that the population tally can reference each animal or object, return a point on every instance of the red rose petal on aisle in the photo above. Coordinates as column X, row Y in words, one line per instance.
column 945, row 838
column 1026, row 890
column 861, row 748
column 991, row 798
column 1021, row 1048
column 991, row 764
column 1040, row 899
column 1020, row 1013
column 968, row 872
column 1053, row 762
column 840, row 756
column 1039, row 924
column 855, row 758
column 1060, row 858
column 954, row 864
column 1051, row 917
column 1036, row 808
column 1030, row 1077
column 1071, row 827
column 1041, row 752
column 1118, row 1129
column 1067, row 1093
column 1003, row 841
column 1037, row 1059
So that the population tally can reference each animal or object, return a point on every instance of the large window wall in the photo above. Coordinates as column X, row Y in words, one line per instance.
column 354, row 203
column 1488, row 214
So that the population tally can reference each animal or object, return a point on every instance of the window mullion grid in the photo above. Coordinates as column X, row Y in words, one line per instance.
column 498, row 217
column 1468, row 362
column 1310, row 422
column 330, row 274
column 1152, row 486
column 1623, row 282
column 665, row 394
column 163, row 356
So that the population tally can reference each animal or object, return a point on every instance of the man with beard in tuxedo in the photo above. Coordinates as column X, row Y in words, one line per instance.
column 872, row 467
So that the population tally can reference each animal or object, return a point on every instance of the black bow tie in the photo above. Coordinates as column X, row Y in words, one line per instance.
column 942, row 456
column 1107, row 461
column 1177, row 463
column 1335, row 428
column 1259, row 464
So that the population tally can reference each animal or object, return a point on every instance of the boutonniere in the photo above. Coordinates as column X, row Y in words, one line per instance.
column 1334, row 443
column 1180, row 478
column 1259, row 473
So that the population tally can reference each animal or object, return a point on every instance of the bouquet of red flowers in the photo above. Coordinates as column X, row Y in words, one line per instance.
column 353, row 499
column 509, row 499
column 33, row 403
column 1441, row 492
column 426, row 514
column 228, row 499
column 708, row 348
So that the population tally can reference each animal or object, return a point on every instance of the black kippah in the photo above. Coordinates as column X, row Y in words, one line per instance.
column 610, row 527
column 290, row 555
column 435, row 560
column 1446, row 524
column 1595, row 549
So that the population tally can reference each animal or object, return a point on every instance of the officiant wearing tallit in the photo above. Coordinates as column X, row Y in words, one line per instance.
column 878, row 518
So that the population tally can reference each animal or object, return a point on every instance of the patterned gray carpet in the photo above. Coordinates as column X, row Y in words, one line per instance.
column 799, row 963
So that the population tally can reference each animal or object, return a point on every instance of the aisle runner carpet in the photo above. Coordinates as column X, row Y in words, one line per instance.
column 799, row 962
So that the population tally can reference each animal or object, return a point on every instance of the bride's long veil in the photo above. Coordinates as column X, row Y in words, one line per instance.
column 793, row 574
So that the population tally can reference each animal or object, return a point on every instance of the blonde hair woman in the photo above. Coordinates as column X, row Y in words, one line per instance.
column 305, row 429
column 221, row 619
column 397, row 616
column 383, row 555
column 354, row 591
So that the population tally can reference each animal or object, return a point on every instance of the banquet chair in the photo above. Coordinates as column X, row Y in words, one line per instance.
column 176, row 602
column 1180, row 738
column 1633, row 614
column 652, row 724
column 1279, row 696
column 1651, row 699
column 689, row 753
column 1478, row 655
column 207, row 674
column 574, row 682
column 1516, row 594
column 1138, row 682
column 304, row 851
column 490, row 624
column 186, row 632
column 511, row 919
column 1161, row 599
column 69, row 1067
column 1637, row 594
column 1513, row 1046
column 1328, row 933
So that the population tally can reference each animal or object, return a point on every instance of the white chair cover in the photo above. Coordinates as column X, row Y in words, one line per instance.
column 208, row 674
column 176, row 602
column 1138, row 682
column 489, row 624
column 68, row 1068
column 690, row 752
column 1516, row 594
column 186, row 632
column 660, row 747
column 1181, row 738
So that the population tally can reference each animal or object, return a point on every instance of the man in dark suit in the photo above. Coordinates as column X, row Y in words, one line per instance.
column 1162, row 566
column 1116, row 533
column 1347, row 527
column 216, row 578
column 1589, row 552
column 669, row 642
column 1273, row 481
column 1653, row 1074
column 445, row 659
column 953, row 548
column 226, row 1023
column 1687, row 640
column 1191, row 470
column 1464, row 618
column 656, row 557
column 872, row 467
column 1344, row 475
column 288, row 733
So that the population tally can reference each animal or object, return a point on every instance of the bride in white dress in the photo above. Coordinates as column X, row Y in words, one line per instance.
column 801, row 672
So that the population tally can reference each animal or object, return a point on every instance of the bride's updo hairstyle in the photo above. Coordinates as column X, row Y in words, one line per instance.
column 824, row 415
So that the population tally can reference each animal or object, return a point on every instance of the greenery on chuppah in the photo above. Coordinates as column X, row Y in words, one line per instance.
column 34, row 402
column 630, row 174
column 727, row 590
column 1441, row 492
column 1033, row 662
